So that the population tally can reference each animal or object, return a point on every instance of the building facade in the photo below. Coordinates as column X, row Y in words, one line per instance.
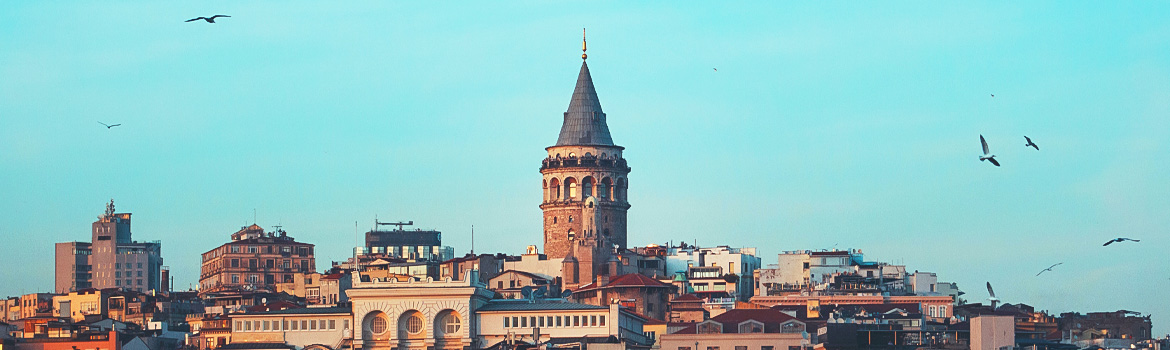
column 112, row 259
column 407, row 244
column 254, row 260
column 584, row 185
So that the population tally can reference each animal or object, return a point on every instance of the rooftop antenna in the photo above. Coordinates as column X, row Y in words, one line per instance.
column 253, row 216
column 473, row 240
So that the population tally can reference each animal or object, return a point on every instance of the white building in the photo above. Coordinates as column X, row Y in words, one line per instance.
column 806, row 270
column 435, row 315
column 742, row 262
column 315, row 327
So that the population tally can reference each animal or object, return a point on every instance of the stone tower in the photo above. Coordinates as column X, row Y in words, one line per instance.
column 584, row 188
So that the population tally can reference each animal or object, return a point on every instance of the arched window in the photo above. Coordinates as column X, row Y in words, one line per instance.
column 378, row 325
column 448, row 324
column 604, row 188
column 570, row 188
column 572, row 235
column 410, row 325
column 587, row 184
column 751, row 327
column 554, row 188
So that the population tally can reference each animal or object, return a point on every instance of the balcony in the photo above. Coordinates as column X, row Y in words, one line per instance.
column 558, row 163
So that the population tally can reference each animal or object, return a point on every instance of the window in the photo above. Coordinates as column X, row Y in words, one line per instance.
column 593, row 320
column 766, row 347
column 312, row 324
column 251, row 249
column 684, row 348
column 140, row 265
column 239, row 326
column 572, row 235
column 118, row 274
column 117, row 282
column 541, row 319
column 515, row 322
column 451, row 323
column 285, row 325
column 791, row 327
column 740, row 347
column 523, row 322
column 247, row 326
column 414, row 325
column 603, row 320
column 265, row 324
column 256, row 325
column 235, row 278
column 532, row 321
column 751, row 327
column 549, row 321
column 345, row 324
column 139, row 280
column 942, row 311
column 712, row 348
column 332, row 324
column 558, row 321
column 933, row 311
column 710, row 327
column 507, row 322
column 378, row 325
column 139, row 273
column 576, row 321
column 304, row 325
column 296, row 325
column 235, row 262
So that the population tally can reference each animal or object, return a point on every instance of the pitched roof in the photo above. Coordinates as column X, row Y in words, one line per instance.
column 584, row 121
column 635, row 280
column 731, row 319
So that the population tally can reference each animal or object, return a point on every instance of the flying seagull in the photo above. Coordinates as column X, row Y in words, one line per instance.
column 992, row 95
column 986, row 153
column 992, row 297
column 1118, row 240
column 1030, row 143
column 208, row 19
column 716, row 69
column 108, row 125
column 1049, row 269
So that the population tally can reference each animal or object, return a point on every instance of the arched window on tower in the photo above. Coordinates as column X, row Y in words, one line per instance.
column 604, row 188
column 571, row 188
column 587, row 184
column 619, row 191
column 554, row 189
column 572, row 235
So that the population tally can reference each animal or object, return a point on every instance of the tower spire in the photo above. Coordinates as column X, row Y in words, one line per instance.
column 583, row 47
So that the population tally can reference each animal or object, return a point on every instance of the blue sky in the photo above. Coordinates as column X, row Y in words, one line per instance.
column 830, row 124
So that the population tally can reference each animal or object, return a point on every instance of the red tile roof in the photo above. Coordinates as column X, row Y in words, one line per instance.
column 731, row 319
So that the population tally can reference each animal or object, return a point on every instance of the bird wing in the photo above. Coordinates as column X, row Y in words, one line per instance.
column 1035, row 146
column 195, row 19
column 992, row 160
column 104, row 124
column 115, row 125
column 1041, row 271
column 220, row 16
column 1028, row 138
column 989, row 290
column 1109, row 242
column 984, row 142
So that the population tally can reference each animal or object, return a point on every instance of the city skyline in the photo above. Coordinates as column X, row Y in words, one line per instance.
column 819, row 129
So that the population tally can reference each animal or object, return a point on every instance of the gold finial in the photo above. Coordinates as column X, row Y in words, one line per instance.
column 583, row 47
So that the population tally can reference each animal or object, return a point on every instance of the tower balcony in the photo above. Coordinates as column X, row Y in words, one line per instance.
column 618, row 164
column 601, row 203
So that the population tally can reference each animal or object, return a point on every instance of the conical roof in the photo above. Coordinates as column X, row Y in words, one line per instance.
column 584, row 121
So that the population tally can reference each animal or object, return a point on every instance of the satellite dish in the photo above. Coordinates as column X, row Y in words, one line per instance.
column 526, row 291
column 566, row 293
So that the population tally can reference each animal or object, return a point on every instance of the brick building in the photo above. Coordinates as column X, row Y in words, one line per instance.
column 254, row 260
column 584, row 184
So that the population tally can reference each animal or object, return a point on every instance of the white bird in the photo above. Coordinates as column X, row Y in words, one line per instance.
column 1030, row 143
column 1049, row 269
column 108, row 125
column 987, row 153
column 1119, row 240
column 208, row 19
column 993, row 299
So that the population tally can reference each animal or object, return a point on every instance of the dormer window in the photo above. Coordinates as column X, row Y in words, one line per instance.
column 709, row 327
column 751, row 326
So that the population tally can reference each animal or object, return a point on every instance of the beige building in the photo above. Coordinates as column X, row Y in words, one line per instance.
column 324, row 328
column 254, row 260
column 77, row 305
column 510, row 283
column 993, row 332
column 559, row 322
column 316, row 288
